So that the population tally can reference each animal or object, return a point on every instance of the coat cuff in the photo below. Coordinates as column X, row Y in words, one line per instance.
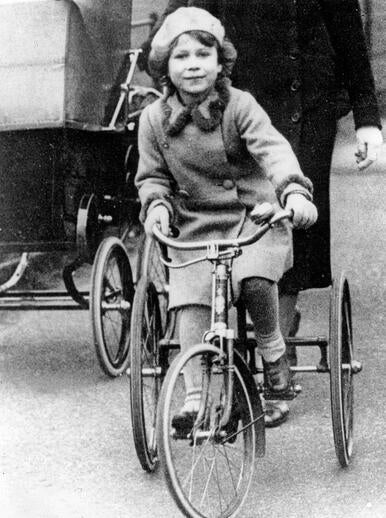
column 152, row 201
column 292, row 183
column 367, row 116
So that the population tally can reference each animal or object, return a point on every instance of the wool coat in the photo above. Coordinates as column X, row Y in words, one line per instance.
column 210, row 166
column 306, row 63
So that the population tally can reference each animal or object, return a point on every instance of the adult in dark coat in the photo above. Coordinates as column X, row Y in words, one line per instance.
column 306, row 63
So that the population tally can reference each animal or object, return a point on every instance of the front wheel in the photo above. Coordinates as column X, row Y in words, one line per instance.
column 342, row 370
column 111, row 298
column 209, row 470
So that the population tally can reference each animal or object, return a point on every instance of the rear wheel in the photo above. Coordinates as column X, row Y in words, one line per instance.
column 150, row 265
column 147, row 369
column 111, row 298
column 342, row 369
column 209, row 470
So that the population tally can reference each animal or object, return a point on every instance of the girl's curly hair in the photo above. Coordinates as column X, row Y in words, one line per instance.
column 227, row 55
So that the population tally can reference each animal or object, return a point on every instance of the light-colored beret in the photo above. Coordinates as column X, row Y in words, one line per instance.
column 182, row 20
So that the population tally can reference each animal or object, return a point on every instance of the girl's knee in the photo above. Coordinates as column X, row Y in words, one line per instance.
column 258, row 285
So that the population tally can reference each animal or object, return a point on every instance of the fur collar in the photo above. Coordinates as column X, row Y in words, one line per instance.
column 207, row 115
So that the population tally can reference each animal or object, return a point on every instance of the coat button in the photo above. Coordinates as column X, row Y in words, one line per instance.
column 295, row 117
column 294, row 56
column 295, row 85
column 228, row 184
column 293, row 33
column 165, row 145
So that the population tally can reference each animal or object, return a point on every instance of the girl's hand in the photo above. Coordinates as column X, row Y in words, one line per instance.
column 369, row 142
column 158, row 216
column 304, row 211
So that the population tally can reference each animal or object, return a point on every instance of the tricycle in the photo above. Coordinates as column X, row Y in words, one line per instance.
column 208, row 465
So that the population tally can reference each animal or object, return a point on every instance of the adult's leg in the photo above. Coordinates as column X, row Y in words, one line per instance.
column 287, row 312
column 312, row 268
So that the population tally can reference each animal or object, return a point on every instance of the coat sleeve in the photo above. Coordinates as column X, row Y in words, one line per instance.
column 344, row 23
column 153, row 180
column 270, row 149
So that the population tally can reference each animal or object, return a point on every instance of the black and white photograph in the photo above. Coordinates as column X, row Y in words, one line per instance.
column 192, row 242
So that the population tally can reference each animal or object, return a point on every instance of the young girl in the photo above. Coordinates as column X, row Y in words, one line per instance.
column 208, row 155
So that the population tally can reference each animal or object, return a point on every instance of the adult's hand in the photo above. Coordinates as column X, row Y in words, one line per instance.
column 158, row 216
column 369, row 142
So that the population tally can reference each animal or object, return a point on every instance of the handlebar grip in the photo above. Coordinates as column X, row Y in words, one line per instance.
column 262, row 212
column 282, row 214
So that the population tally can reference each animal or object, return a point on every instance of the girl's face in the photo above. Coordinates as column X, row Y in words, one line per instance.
column 193, row 68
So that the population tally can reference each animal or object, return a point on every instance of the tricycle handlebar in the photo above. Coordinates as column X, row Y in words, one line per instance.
column 263, row 227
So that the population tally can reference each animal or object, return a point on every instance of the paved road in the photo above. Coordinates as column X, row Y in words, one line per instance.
column 66, row 449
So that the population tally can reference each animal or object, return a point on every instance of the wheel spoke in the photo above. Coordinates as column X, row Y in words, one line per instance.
column 230, row 463
column 211, row 465
column 110, row 274
column 347, row 415
column 113, row 320
column 195, row 462
column 220, row 492
column 347, row 356
column 117, row 336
